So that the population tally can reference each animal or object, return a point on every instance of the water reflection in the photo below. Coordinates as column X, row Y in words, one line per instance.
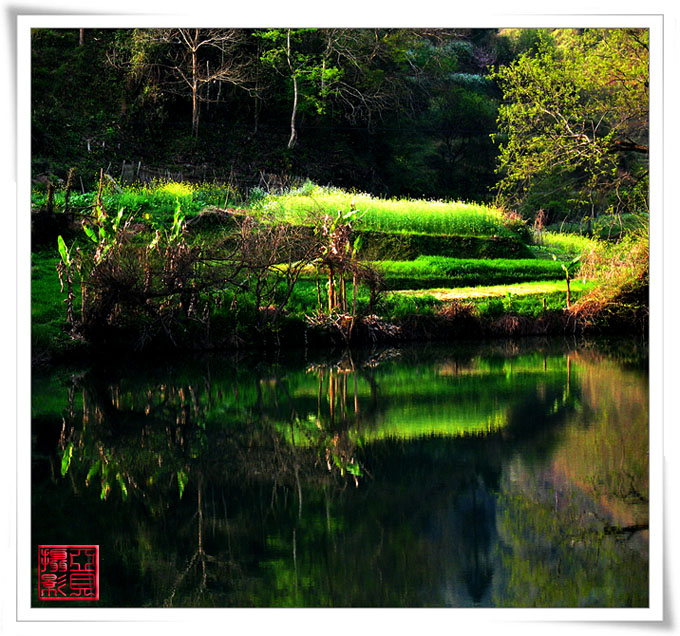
column 508, row 475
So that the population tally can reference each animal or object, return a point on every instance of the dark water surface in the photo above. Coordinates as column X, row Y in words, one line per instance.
column 512, row 474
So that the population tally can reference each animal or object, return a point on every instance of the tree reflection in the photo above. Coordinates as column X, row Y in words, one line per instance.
column 382, row 479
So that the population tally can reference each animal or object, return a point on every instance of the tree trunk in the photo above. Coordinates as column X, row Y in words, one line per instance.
column 568, row 292
column 293, row 131
column 194, row 109
column 194, row 87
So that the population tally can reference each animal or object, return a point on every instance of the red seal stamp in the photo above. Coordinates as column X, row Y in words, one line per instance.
column 68, row 573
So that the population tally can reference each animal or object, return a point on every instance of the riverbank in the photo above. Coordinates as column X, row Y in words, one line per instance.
column 289, row 271
column 453, row 322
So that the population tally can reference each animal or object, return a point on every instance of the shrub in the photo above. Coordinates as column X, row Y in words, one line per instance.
column 491, row 308
column 170, row 288
column 621, row 271
column 399, row 306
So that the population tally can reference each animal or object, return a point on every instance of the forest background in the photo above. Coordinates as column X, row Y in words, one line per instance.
column 549, row 121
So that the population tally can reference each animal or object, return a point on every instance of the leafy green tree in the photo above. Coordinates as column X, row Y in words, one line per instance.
column 309, row 77
column 356, row 74
column 575, row 120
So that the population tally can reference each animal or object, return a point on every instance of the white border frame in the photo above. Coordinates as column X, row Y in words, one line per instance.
column 404, row 619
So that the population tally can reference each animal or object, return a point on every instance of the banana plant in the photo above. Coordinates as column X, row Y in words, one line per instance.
column 65, row 272
column 173, row 234
column 568, row 269
column 105, row 232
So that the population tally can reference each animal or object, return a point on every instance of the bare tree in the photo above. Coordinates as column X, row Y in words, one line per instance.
column 201, row 58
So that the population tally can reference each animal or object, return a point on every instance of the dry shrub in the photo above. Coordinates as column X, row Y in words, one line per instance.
column 456, row 310
column 458, row 319
column 621, row 296
column 510, row 325
column 132, row 282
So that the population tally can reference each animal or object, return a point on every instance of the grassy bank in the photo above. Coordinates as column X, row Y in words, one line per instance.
column 441, row 271
column 392, row 215
column 173, row 268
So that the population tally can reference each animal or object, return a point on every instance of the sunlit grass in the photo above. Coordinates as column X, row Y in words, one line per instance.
column 498, row 291
column 158, row 199
column 466, row 272
column 389, row 215
column 176, row 188
column 564, row 246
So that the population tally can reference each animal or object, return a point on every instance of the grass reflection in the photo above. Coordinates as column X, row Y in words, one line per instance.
column 390, row 478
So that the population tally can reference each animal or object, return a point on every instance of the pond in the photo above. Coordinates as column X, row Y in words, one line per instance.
column 504, row 474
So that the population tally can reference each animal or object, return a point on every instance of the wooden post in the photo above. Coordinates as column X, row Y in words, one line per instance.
column 318, row 291
column 101, row 187
column 568, row 292
column 331, row 295
column 67, row 194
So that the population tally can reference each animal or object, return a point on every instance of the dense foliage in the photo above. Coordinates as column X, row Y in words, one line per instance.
column 574, row 124
column 391, row 111
column 562, row 114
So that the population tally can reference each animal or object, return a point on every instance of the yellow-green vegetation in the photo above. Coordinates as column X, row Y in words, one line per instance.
column 391, row 215
column 564, row 246
column 537, row 288
column 156, row 200
column 621, row 273
column 301, row 258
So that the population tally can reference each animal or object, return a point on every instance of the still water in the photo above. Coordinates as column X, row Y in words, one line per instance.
column 511, row 474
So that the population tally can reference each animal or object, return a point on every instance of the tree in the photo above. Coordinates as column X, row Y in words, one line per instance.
column 357, row 74
column 292, row 53
column 198, row 59
column 574, row 122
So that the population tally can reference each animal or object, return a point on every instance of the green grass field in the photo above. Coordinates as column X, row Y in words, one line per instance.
column 389, row 215
column 443, row 271
column 529, row 281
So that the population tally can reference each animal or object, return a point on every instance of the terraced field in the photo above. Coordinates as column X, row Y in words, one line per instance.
column 426, row 254
column 433, row 252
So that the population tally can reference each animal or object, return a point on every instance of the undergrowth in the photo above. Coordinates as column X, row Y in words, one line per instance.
column 621, row 295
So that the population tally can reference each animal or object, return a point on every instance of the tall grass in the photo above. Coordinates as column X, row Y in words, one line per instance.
column 564, row 246
column 158, row 199
column 390, row 215
column 441, row 271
